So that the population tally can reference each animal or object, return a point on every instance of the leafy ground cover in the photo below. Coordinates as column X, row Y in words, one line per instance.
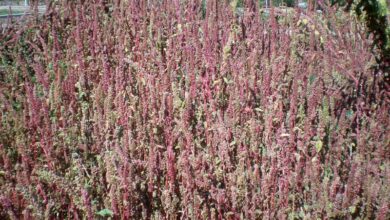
column 193, row 110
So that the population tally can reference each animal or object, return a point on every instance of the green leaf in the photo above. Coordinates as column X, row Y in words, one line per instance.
column 217, row 160
column 352, row 209
column 258, row 109
column 318, row 145
column 234, row 5
column 227, row 81
column 105, row 213
column 382, row 7
column 312, row 78
column 17, row 106
column 349, row 114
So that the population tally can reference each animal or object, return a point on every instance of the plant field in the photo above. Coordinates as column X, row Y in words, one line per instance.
column 192, row 110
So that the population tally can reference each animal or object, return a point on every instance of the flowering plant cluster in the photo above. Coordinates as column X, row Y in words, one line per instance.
column 179, row 109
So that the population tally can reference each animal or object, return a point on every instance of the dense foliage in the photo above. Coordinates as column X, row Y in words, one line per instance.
column 167, row 109
column 375, row 13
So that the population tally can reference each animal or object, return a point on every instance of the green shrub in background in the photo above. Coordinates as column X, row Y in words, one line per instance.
column 375, row 14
